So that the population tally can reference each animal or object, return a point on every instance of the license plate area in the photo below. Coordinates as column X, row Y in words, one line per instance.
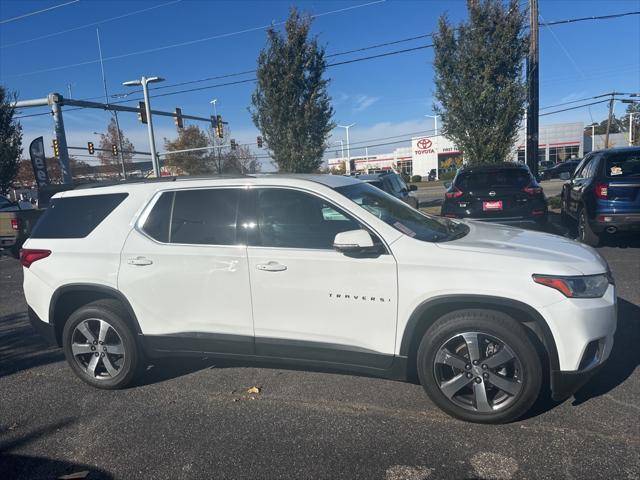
column 492, row 206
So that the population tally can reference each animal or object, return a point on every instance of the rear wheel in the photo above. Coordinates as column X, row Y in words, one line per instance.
column 480, row 366
column 585, row 233
column 99, row 345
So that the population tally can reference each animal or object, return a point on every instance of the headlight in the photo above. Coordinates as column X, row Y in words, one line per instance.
column 588, row 286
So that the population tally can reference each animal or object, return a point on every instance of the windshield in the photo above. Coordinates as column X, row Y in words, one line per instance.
column 401, row 216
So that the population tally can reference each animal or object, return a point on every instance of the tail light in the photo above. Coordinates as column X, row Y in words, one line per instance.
column 457, row 193
column 15, row 224
column 602, row 190
column 531, row 190
column 30, row 255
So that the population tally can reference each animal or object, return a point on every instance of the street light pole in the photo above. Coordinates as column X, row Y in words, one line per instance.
column 435, row 124
column 631, row 114
column 215, row 137
column 144, row 82
column 348, row 165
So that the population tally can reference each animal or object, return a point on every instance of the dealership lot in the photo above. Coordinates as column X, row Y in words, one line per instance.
column 195, row 419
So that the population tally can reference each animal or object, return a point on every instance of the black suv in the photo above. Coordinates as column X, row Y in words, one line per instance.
column 501, row 192
column 603, row 194
column 554, row 172
column 393, row 184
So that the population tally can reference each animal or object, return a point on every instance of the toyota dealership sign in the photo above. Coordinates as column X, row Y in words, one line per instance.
column 424, row 155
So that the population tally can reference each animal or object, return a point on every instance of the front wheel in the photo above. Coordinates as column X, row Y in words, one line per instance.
column 100, row 346
column 479, row 366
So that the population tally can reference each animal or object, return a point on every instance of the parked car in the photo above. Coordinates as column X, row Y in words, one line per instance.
column 433, row 174
column 603, row 195
column 545, row 165
column 15, row 223
column 393, row 184
column 321, row 271
column 504, row 192
column 555, row 172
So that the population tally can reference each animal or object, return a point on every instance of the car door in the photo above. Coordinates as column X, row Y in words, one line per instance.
column 310, row 301
column 184, row 270
column 571, row 188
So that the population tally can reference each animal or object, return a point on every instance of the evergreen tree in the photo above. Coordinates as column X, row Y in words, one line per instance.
column 291, row 106
column 480, row 90
column 10, row 140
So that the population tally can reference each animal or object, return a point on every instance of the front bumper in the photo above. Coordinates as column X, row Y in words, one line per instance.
column 44, row 329
column 565, row 384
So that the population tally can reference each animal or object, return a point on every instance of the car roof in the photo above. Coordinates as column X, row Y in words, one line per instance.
column 612, row 151
column 331, row 181
column 372, row 177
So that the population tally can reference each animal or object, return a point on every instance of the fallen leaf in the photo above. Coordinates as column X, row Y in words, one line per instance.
column 254, row 390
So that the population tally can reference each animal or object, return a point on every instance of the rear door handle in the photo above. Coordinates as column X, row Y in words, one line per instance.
column 271, row 267
column 140, row 261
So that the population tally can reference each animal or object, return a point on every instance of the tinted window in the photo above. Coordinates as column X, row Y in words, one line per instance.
column 157, row 223
column 75, row 217
column 206, row 216
column 294, row 219
column 580, row 167
column 402, row 217
column 489, row 179
column 623, row 165
column 590, row 169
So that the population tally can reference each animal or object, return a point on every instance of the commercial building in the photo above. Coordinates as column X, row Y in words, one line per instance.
column 557, row 143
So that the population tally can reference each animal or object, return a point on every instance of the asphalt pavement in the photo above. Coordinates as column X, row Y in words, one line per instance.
column 195, row 419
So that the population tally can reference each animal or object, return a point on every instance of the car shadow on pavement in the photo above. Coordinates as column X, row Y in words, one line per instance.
column 624, row 358
column 20, row 347
column 30, row 467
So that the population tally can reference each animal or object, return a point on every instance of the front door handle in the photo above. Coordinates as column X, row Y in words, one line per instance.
column 271, row 267
column 140, row 261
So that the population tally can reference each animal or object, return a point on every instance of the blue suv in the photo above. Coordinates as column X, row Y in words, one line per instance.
column 603, row 195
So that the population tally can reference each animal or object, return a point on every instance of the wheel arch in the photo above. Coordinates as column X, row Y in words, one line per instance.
column 432, row 309
column 68, row 298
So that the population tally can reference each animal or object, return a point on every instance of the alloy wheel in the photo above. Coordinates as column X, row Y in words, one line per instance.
column 98, row 349
column 478, row 372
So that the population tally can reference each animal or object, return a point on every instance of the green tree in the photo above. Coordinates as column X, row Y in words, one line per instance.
column 107, row 141
column 10, row 140
column 480, row 91
column 198, row 162
column 291, row 105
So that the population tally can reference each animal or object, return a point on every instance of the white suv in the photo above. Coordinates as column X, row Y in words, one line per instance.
column 323, row 271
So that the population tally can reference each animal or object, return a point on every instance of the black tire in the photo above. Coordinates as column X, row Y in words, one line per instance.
column 487, row 324
column 119, row 333
column 585, row 234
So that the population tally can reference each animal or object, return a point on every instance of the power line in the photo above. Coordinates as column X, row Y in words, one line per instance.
column 37, row 12
column 86, row 25
column 573, row 108
column 584, row 19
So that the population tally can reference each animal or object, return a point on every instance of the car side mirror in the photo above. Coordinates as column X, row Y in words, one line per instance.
column 565, row 176
column 354, row 242
column 413, row 188
column 447, row 184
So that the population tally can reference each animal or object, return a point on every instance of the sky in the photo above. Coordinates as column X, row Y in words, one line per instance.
column 185, row 40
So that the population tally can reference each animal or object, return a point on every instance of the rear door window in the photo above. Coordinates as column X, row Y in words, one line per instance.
column 623, row 165
column 76, row 217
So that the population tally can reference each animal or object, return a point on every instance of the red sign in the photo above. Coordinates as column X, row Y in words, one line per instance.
column 424, row 143
column 497, row 205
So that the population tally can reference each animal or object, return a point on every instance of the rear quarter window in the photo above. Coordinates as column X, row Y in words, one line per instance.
column 76, row 217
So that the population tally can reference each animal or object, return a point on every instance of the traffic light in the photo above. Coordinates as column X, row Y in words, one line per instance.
column 142, row 112
column 179, row 123
column 234, row 145
column 56, row 148
column 259, row 142
column 219, row 126
column 90, row 148
column 114, row 150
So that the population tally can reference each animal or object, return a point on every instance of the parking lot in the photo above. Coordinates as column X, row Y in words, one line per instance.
column 195, row 419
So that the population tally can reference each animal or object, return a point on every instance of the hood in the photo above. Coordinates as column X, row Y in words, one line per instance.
column 516, row 243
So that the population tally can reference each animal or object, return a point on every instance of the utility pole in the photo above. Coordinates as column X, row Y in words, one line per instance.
column 114, row 113
column 631, row 114
column 215, row 138
column 58, row 124
column 348, row 164
column 609, row 119
column 533, row 104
